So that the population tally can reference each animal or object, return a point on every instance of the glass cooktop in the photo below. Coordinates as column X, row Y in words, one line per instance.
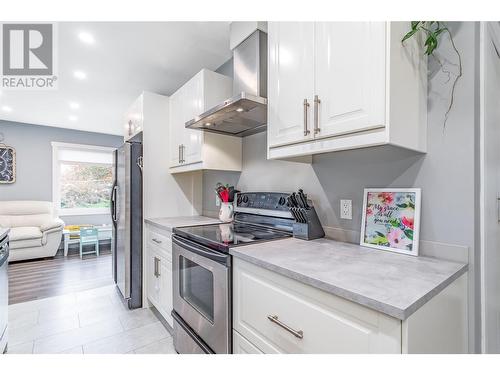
column 223, row 236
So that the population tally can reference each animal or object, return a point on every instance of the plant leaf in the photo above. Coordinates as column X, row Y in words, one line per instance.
column 409, row 35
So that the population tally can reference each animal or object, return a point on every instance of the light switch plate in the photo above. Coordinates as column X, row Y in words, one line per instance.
column 346, row 209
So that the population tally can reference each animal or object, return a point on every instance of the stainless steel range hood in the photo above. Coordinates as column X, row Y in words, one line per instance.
column 246, row 112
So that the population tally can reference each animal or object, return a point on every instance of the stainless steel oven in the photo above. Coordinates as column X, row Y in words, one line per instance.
column 202, row 298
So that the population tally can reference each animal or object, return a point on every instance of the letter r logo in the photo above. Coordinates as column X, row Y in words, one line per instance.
column 27, row 49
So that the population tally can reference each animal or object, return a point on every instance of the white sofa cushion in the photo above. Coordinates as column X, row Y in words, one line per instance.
column 25, row 213
column 25, row 233
column 22, row 237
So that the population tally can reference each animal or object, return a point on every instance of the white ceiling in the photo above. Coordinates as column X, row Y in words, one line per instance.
column 125, row 59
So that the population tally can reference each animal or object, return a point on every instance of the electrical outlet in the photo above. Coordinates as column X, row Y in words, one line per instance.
column 217, row 200
column 346, row 209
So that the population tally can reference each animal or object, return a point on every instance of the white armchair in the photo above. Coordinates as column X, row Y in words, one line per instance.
column 34, row 230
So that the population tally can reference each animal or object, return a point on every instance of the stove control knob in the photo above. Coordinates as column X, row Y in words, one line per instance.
column 238, row 202
column 282, row 201
column 245, row 199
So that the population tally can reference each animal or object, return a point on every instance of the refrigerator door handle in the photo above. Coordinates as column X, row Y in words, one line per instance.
column 113, row 202
column 140, row 163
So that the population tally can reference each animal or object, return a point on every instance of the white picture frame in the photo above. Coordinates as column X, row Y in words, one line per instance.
column 384, row 225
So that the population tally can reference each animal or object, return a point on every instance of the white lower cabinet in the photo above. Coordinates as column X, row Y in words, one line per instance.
column 159, row 271
column 280, row 315
column 276, row 314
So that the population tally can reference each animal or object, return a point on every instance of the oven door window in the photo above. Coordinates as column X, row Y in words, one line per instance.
column 196, row 286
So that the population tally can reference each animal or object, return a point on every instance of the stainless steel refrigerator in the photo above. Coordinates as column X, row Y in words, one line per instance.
column 126, row 213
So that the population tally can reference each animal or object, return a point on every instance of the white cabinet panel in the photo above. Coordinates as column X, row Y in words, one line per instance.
column 134, row 119
column 176, row 133
column 243, row 346
column 291, row 73
column 306, row 320
column 192, row 105
column 350, row 76
column 159, row 271
column 153, row 282
column 166, row 285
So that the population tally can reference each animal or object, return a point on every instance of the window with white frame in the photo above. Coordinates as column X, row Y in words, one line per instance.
column 82, row 178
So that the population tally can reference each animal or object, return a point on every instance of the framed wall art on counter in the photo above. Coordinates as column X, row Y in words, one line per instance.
column 391, row 220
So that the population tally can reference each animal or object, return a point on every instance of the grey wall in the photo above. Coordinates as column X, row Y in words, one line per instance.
column 34, row 162
column 446, row 173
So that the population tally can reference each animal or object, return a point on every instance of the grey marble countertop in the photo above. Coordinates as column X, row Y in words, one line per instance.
column 3, row 231
column 394, row 284
column 168, row 223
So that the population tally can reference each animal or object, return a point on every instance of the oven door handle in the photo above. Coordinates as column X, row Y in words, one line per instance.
column 190, row 246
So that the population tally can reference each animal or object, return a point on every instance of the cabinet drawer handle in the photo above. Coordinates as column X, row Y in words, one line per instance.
column 316, row 114
column 155, row 240
column 275, row 320
column 306, row 107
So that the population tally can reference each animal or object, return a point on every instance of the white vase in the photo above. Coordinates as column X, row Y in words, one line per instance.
column 226, row 212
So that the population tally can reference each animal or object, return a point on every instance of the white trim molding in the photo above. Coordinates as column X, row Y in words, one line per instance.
column 56, row 163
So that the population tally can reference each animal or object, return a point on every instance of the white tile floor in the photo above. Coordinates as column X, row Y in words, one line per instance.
column 90, row 322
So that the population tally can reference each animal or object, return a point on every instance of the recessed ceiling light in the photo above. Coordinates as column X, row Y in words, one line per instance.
column 208, row 123
column 86, row 38
column 239, row 109
column 79, row 74
column 6, row 108
column 73, row 118
column 74, row 105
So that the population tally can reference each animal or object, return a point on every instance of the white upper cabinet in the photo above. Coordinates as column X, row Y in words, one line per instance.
column 362, row 86
column 134, row 119
column 291, row 83
column 350, row 91
column 194, row 149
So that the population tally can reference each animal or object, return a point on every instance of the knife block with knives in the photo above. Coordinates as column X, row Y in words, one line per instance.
column 307, row 225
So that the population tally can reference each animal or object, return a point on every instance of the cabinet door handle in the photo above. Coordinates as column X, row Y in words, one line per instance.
column 275, row 320
column 158, row 274
column 183, row 149
column 180, row 157
column 156, row 241
column 316, row 114
column 156, row 266
column 306, row 107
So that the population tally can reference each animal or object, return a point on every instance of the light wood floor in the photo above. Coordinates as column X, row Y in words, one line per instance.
column 42, row 278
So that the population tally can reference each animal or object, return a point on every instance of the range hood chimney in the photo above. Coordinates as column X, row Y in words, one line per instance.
column 246, row 112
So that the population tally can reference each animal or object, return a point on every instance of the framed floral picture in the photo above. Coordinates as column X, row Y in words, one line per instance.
column 391, row 220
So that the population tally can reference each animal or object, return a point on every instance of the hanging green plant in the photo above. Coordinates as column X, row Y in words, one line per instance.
column 432, row 31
